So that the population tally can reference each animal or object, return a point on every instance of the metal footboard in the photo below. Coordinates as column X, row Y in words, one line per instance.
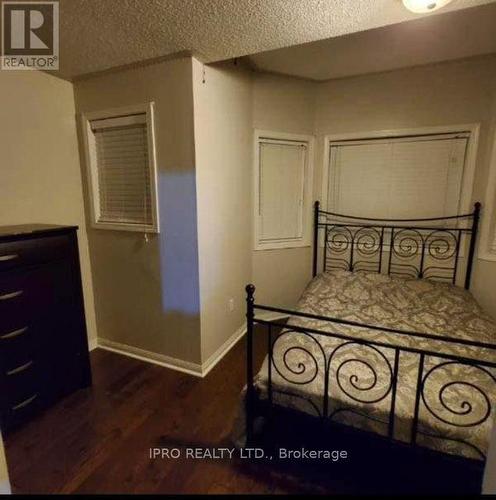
column 469, row 380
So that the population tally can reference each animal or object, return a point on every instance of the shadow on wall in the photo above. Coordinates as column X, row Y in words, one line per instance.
column 147, row 293
column 178, row 243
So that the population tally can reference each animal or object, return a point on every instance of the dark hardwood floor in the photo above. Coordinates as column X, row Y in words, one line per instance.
column 98, row 440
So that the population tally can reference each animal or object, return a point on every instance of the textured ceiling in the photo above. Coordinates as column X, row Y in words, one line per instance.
column 100, row 34
column 453, row 35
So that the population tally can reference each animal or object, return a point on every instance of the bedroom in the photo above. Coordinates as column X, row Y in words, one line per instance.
column 176, row 297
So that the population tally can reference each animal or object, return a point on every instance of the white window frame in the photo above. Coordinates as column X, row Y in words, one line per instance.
column 306, row 239
column 488, row 222
column 466, row 202
column 92, row 169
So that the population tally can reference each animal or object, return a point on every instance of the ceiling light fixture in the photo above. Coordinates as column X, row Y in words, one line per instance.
column 424, row 6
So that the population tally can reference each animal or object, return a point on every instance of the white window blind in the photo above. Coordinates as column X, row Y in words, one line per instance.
column 398, row 178
column 123, row 191
column 282, row 168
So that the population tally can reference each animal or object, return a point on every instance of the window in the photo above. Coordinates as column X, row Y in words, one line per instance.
column 487, row 242
column 282, row 190
column 121, row 167
column 408, row 177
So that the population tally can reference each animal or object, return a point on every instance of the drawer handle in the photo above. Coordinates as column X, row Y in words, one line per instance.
column 12, row 295
column 20, row 369
column 25, row 403
column 5, row 258
column 14, row 334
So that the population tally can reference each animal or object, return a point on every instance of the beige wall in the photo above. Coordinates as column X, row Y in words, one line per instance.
column 462, row 92
column 147, row 294
column 223, row 125
column 282, row 104
column 40, row 178
column 485, row 271
column 444, row 94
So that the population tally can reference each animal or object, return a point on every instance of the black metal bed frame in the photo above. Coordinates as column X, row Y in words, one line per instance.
column 415, row 246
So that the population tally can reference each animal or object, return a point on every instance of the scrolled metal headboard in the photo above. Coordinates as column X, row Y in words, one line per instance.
column 428, row 248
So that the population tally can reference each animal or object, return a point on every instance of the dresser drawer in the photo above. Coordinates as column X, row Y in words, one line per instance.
column 16, row 301
column 33, row 304
column 22, row 382
column 43, row 346
column 33, row 251
column 26, row 295
column 19, row 347
column 11, row 417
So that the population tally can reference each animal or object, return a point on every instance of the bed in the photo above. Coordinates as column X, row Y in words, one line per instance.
column 383, row 338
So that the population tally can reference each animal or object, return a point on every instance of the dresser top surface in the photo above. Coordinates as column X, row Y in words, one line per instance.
column 23, row 230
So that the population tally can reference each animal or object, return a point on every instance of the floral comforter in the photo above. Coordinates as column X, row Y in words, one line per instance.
column 456, row 408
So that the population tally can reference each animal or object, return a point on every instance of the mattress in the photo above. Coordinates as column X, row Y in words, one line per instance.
column 456, row 411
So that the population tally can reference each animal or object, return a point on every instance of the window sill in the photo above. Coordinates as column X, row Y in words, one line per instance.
column 281, row 245
column 125, row 227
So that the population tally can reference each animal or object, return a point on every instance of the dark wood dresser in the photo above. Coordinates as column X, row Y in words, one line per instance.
column 43, row 343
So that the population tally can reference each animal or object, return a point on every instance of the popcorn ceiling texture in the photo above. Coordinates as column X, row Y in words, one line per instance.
column 100, row 34
column 426, row 40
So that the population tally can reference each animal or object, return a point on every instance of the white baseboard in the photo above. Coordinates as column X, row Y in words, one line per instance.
column 92, row 344
column 222, row 350
column 178, row 364
column 209, row 364
column 151, row 357
column 4, row 487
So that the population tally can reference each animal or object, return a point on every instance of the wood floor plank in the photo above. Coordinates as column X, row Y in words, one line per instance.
column 98, row 440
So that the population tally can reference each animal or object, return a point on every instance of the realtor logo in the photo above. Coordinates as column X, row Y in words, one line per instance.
column 30, row 35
